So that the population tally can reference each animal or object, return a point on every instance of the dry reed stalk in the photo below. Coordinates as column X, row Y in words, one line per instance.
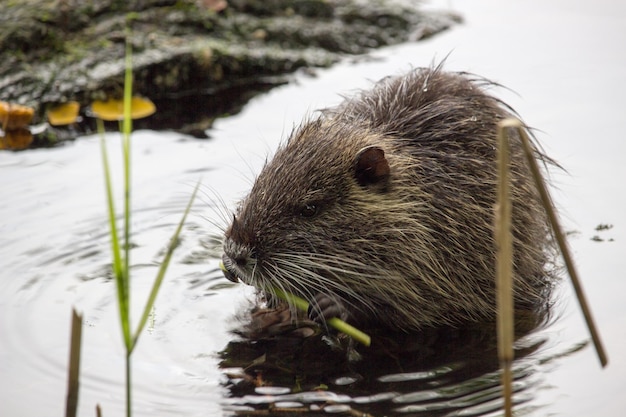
column 562, row 243
column 504, row 265
column 71, row 403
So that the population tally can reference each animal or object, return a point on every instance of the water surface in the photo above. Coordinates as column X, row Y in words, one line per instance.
column 562, row 60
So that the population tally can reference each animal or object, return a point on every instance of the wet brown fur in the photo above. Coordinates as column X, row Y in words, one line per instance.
column 413, row 251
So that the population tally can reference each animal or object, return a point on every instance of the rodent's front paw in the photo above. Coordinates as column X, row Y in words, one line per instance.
column 324, row 307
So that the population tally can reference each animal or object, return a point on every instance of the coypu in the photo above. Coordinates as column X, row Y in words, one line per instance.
column 380, row 210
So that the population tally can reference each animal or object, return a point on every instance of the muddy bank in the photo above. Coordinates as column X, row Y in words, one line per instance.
column 196, row 59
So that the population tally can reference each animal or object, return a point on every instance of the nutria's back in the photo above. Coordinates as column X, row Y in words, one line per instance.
column 381, row 209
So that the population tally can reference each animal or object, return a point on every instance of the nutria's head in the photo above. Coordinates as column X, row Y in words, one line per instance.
column 385, row 204
column 309, row 209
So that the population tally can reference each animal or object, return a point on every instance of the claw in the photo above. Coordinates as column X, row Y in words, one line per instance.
column 323, row 308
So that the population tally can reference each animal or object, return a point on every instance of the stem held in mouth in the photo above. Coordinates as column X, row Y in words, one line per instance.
column 335, row 322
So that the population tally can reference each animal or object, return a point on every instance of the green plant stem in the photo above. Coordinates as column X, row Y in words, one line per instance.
column 335, row 322
column 126, row 131
column 128, row 384
column 121, row 264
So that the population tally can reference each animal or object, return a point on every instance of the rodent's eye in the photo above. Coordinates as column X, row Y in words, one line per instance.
column 308, row 210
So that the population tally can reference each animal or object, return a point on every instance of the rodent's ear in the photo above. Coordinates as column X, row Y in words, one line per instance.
column 371, row 167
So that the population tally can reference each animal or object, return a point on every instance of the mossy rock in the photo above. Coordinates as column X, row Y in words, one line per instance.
column 72, row 50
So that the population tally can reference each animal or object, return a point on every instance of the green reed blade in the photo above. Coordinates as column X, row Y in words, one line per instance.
column 161, row 274
column 120, row 272
column 126, row 131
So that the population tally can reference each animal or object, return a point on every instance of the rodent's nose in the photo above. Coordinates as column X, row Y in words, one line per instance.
column 227, row 273
column 238, row 261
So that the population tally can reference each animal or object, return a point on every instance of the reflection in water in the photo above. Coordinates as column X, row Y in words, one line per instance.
column 435, row 372
column 16, row 139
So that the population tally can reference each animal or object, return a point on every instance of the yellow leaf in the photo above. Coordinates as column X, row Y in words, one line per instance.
column 63, row 114
column 113, row 109
column 14, row 116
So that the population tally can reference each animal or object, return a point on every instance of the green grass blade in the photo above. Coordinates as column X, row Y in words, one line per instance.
column 119, row 271
column 126, row 131
column 159, row 279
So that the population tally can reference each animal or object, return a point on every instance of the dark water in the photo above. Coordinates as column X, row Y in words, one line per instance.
column 54, row 249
